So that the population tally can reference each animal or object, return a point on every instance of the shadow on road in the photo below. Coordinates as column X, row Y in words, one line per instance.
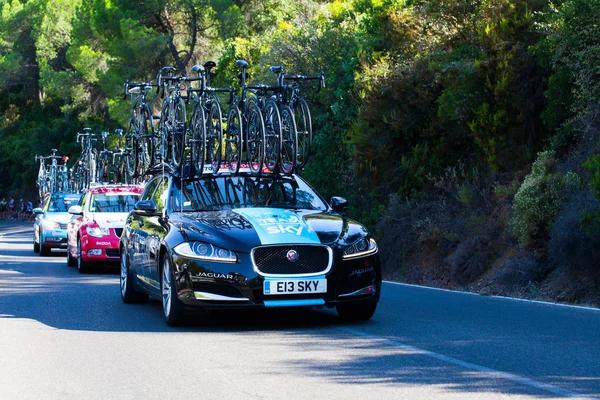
column 46, row 290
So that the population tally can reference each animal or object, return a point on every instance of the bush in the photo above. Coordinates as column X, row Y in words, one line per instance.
column 520, row 270
column 539, row 199
column 472, row 258
column 572, row 246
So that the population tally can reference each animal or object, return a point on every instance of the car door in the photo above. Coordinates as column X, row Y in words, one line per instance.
column 137, row 239
column 155, row 229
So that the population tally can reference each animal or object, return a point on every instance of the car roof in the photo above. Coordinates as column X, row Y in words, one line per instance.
column 116, row 189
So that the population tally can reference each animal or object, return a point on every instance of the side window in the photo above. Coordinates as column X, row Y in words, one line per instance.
column 160, row 195
column 149, row 190
column 84, row 200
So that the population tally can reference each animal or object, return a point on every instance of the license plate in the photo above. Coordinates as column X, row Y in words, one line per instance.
column 296, row 286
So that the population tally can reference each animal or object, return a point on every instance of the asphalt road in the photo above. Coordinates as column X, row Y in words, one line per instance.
column 65, row 335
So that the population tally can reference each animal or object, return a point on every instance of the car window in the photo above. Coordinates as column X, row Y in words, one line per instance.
column 160, row 195
column 221, row 193
column 150, row 188
column 118, row 202
column 61, row 203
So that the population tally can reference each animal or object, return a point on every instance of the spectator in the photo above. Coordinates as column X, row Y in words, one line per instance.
column 11, row 207
column 29, row 210
column 3, row 208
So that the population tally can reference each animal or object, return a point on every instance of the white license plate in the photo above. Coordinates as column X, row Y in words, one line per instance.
column 296, row 286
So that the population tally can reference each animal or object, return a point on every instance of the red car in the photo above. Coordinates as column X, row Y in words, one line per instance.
column 94, row 232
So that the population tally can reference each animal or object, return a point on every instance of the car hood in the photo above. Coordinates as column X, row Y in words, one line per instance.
column 244, row 228
column 109, row 220
column 60, row 217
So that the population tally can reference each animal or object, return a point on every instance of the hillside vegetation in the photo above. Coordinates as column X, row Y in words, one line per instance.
column 464, row 133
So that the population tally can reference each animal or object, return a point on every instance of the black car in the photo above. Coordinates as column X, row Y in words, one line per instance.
column 237, row 242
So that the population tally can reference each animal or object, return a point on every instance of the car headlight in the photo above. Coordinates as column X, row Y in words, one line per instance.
column 51, row 224
column 362, row 248
column 205, row 251
column 97, row 231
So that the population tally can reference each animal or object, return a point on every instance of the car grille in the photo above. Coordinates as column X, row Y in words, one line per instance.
column 112, row 252
column 63, row 226
column 272, row 260
column 118, row 231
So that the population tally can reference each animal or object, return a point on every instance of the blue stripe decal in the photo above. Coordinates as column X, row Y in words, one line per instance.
column 279, row 226
column 294, row 278
column 294, row 303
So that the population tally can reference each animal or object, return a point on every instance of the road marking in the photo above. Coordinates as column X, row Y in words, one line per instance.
column 491, row 373
column 548, row 303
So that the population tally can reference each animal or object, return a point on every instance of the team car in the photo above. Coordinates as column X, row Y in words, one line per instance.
column 240, row 242
column 50, row 226
column 97, row 223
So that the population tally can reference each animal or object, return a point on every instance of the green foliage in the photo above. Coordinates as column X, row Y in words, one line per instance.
column 540, row 198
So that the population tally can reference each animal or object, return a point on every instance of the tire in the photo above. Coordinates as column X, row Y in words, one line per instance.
column 178, row 134
column 71, row 262
column 233, row 139
column 44, row 251
column 255, row 140
column 145, row 154
column 173, row 308
column 350, row 312
column 128, row 293
column 82, row 266
column 198, row 139
column 36, row 245
column 303, row 131
column 214, row 135
column 289, row 141
column 131, row 147
column 272, row 120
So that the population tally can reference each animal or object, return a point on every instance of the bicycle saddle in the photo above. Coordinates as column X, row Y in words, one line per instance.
column 276, row 69
column 209, row 65
column 241, row 64
column 87, row 129
column 198, row 69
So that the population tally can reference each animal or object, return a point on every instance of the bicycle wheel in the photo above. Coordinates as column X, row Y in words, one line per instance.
column 233, row 139
column 272, row 120
column 101, row 165
column 255, row 139
column 161, row 149
column 303, row 130
column 131, row 147
column 178, row 133
column 214, row 134
column 92, row 166
column 198, row 139
column 145, row 152
column 289, row 141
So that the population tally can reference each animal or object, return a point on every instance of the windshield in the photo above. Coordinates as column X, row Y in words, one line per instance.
column 113, row 202
column 62, row 203
column 224, row 193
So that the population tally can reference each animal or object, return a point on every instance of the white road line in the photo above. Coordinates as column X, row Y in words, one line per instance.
column 491, row 373
column 548, row 303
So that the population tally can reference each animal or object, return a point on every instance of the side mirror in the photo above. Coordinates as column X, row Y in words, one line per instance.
column 76, row 210
column 145, row 207
column 38, row 210
column 339, row 204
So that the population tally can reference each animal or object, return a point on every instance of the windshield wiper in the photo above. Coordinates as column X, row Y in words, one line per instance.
column 284, row 205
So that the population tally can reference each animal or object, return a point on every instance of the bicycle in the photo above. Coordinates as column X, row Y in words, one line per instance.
column 244, row 117
column 49, row 176
column 207, row 121
column 290, row 95
column 86, row 163
column 139, row 139
column 172, row 125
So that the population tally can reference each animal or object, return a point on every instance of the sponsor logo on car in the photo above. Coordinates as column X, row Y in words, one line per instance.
column 215, row 275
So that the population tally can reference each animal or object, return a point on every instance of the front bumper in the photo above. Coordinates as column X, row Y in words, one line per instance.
column 213, row 285
column 104, row 249
column 54, row 239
